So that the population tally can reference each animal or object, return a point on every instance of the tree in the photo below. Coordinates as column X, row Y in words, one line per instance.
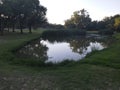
column 10, row 12
column 93, row 26
column 30, row 14
column 24, row 13
column 37, row 16
column 69, row 24
column 80, row 19
column 1, row 17
column 117, row 24
column 109, row 22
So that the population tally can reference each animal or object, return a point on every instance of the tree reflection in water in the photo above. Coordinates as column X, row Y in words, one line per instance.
column 84, row 44
column 34, row 50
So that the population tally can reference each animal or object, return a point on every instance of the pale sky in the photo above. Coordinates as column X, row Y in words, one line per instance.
column 60, row 10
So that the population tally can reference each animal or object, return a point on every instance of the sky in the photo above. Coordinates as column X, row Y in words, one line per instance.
column 60, row 10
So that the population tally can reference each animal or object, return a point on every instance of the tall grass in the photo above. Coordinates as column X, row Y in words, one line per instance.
column 106, row 32
column 61, row 33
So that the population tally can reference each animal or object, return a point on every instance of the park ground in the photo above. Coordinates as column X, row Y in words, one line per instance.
column 98, row 71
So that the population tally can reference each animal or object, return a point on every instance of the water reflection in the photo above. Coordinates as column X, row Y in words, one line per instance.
column 34, row 50
column 59, row 49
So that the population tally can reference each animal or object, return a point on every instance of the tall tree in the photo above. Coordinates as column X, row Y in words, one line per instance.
column 80, row 19
column 1, row 17
column 9, row 12
column 37, row 15
column 108, row 22
column 26, row 13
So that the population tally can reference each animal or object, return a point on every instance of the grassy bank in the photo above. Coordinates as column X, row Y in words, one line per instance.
column 98, row 71
column 109, row 57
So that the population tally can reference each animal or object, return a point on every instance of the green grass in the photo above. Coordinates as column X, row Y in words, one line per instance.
column 98, row 71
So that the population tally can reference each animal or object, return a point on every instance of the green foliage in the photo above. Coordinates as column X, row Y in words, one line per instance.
column 22, row 14
column 79, row 19
column 108, row 24
column 69, row 24
column 117, row 24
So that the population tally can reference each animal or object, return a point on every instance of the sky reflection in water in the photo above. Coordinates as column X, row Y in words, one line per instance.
column 58, row 52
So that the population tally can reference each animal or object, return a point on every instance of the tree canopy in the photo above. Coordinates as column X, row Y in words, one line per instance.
column 21, row 14
column 117, row 24
column 79, row 19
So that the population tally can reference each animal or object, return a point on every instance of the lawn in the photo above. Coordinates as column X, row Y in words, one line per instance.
column 98, row 71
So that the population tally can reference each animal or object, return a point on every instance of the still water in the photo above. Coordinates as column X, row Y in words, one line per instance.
column 56, row 50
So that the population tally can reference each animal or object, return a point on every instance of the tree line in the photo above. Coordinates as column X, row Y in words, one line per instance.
column 81, row 20
column 21, row 14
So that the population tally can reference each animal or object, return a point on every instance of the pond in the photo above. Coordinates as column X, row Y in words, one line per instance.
column 56, row 50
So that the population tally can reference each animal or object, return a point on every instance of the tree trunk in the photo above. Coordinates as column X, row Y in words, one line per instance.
column 21, row 30
column 21, row 27
column 2, row 33
column 13, row 28
column 1, row 26
column 2, row 30
column 30, row 29
column 8, row 29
